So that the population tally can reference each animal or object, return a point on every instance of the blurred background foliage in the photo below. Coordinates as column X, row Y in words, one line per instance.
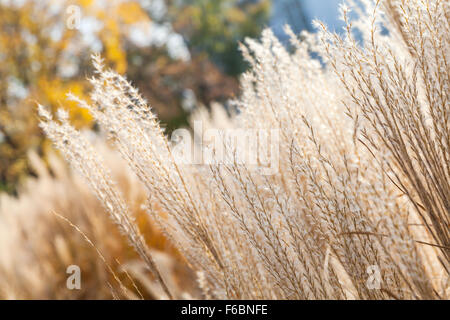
column 216, row 27
column 41, row 59
column 179, row 53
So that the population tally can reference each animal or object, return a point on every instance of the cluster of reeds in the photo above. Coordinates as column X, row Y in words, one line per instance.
column 56, row 223
column 359, row 205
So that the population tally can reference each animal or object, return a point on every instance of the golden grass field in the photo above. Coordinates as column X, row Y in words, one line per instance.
column 361, row 187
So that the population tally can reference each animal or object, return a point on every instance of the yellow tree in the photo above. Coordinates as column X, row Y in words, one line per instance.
column 45, row 48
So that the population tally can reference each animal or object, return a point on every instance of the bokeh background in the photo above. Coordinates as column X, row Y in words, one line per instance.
column 180, row 53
